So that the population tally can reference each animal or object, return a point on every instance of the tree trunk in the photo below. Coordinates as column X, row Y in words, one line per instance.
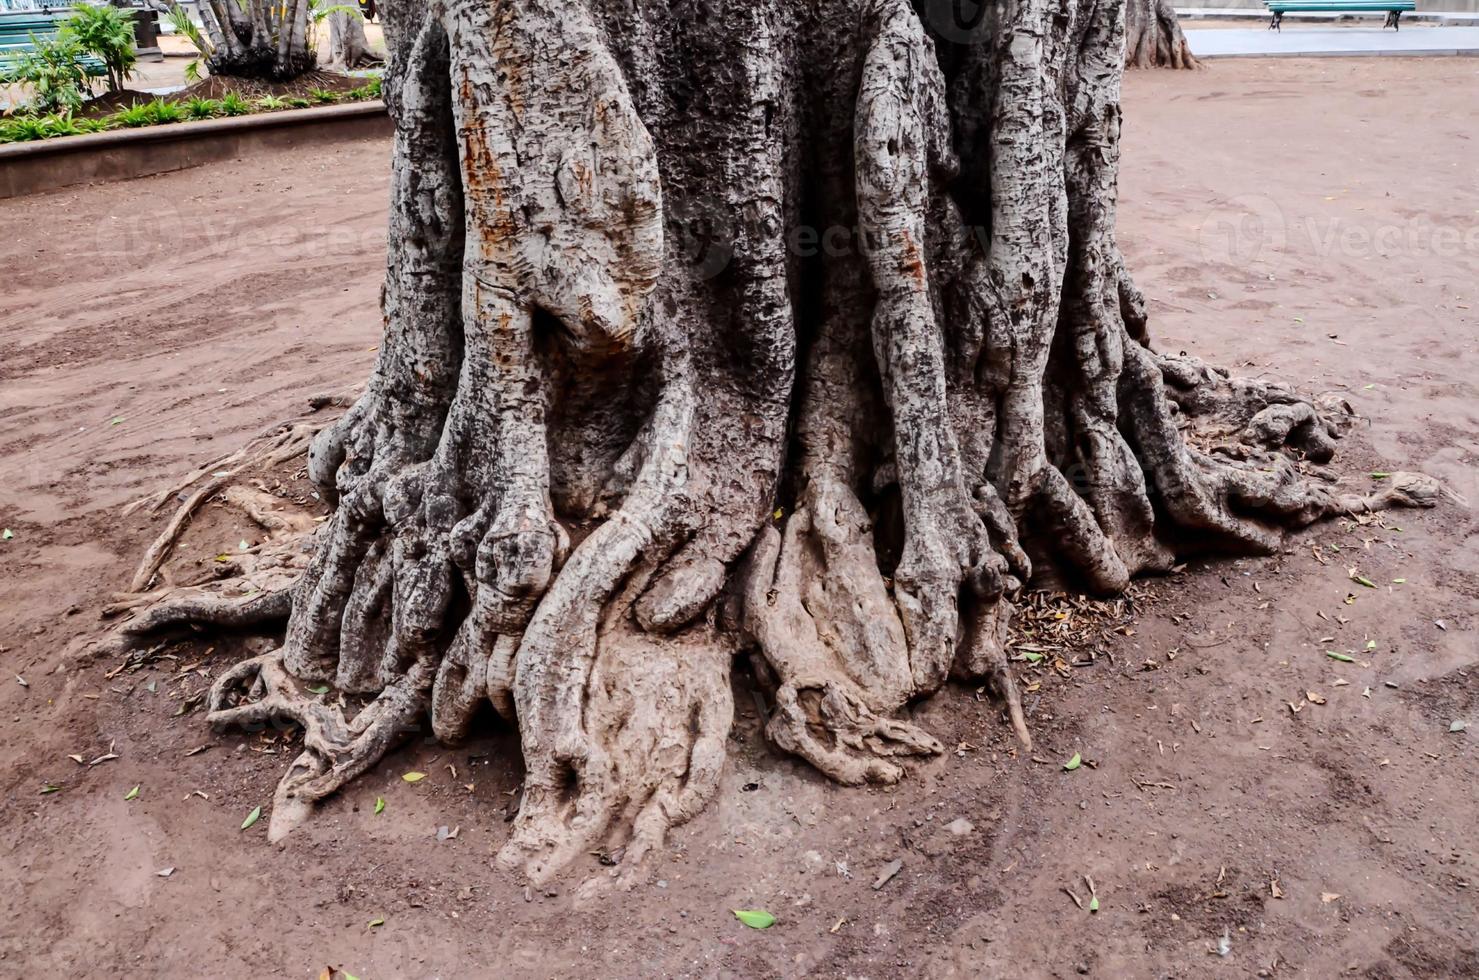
column 262, row 39
column 1153, row 36
column 755, row 327
column 348, row 46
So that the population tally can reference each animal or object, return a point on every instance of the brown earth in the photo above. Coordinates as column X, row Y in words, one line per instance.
column 1317, row 221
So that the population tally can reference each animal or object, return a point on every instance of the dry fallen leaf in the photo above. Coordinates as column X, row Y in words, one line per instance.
column 1328, row 897
column 1314, row 698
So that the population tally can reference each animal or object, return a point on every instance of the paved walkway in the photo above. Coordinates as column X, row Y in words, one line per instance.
column 1313, row 42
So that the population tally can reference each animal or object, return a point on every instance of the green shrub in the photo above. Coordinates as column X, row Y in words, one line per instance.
column 161, row 112
column 232, row 104
column 133, row 117
column 107, row 32
column 23, row 129
column 271, row 103
column 323, row 96
column 297, row 102
column 201, row 108
column 53, row 70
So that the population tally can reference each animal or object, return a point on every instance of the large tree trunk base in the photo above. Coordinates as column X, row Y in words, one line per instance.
column 812, row 606
column 1153, row 36
column 589, row 470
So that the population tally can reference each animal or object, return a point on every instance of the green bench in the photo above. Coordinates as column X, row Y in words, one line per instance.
column 1392, row 8
column 19, row 34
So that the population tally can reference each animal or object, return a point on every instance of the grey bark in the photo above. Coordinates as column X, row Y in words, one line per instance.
column 790, row 331
column 348, row 46
column 1153, row 36
column 265, row 39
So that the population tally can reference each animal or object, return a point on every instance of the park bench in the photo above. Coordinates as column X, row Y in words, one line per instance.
column 1392, row 8
column 19, row 34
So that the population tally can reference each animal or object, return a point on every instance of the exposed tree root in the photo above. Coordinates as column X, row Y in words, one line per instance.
column 592, row 467
column 260, row 691
column 1154, row 38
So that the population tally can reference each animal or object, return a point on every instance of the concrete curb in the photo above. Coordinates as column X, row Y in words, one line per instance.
column 1439, row 17
column 45, row 165
column 1315, row 42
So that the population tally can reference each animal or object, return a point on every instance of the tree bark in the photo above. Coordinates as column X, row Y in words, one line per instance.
column 767, row 328
column 348, row 46
column 1153, row 36
column 262, row 39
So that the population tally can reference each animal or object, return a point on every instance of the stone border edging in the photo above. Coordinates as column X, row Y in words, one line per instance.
column 121, row 154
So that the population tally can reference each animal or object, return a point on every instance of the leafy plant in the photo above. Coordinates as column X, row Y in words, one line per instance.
column 63, row 125
column 107, row 32
column 161, row 111
column 271, row 103
column 232, row 104
column 53, row 69
column 191, row 31
column 369, row 90
column 319, row 12
column 23, row 129
column 323, row 95
column 133, row 117
column 192, row 72
column 297, row 102
column 198, row 108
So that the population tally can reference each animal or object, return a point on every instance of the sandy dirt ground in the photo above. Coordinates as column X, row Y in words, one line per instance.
column 1248, row 806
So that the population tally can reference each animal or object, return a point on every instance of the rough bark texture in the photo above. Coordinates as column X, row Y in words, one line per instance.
column 1153, row 36
column 257, row 38
column 348, row 46
column 777, row 329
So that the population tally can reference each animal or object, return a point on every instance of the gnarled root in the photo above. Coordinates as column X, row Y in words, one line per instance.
column 260, row 691
column 830, row 643
column 647, row 756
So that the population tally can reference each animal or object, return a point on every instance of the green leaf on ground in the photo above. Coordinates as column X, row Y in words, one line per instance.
column 1344, row 658
column 49, row 788
column 1379, row 475
column 118, row 421
column 1073, row 763
column 1032, row 658
column 376, row 923
column 131, row 794
column 379, row 804
column 1363, row 580
column 1399, row 581
column 755, row 918
column 321, row 689
column 7, row 534
column 252, row 817
column 1371, row 644
column 413, row 777
column 1093, row 903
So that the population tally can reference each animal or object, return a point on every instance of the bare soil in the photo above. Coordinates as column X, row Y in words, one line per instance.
column 1316, row 220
